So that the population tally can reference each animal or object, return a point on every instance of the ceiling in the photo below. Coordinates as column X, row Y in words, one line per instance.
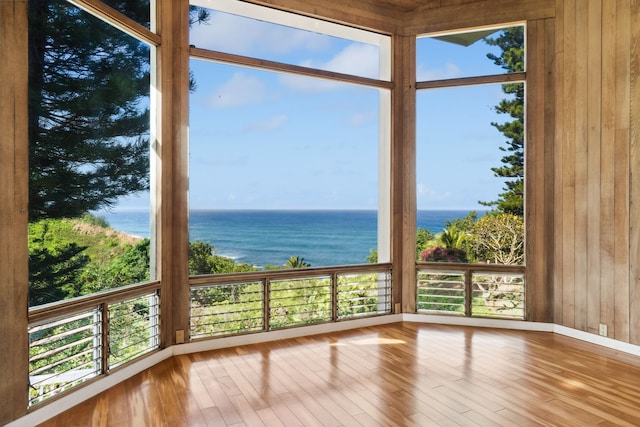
column 407, row 5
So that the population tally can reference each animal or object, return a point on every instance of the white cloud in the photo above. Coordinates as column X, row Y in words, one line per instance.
column 429, row 194
column 357, row 59
column 360, row 119
column 269, row 125
column 448, row 71
column 240, row 90
column 244, row 36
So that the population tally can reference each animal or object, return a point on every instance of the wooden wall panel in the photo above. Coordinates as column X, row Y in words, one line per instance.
column 607, row 170
column 558, row 200
column 566, row 141
column 621, row 200
column 596, row 270
column 634, row 84
column 581, row 167
column 14, row 352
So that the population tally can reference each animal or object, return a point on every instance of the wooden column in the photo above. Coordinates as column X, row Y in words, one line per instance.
column 403, row 172
column 539, row 169
column 14, row 346
column 172, row 163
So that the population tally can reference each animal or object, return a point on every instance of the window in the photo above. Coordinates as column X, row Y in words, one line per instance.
column 90, row 128
column 470, row 173
column 284, row 162
column 470, row 181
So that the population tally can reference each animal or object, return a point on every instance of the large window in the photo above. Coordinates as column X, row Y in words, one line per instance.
column 285, row 153
column 470, row 147
column 89, row 133
column 470, row 173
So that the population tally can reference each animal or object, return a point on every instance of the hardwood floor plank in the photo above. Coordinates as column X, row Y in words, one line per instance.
column 404, row 374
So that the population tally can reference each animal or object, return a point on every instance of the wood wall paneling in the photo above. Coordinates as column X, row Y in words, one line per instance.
column 596, row 270
column 634, row 84
column 621, row 180
column 14, row 351
column 607, row 169
column 595, row 176
column 580, row 157
column 566, row 164
column 558, row 200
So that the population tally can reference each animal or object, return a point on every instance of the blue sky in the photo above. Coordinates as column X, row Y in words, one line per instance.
column 262, row 140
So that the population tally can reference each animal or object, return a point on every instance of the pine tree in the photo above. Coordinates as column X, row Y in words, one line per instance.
column 511, row 43
column 89, row 119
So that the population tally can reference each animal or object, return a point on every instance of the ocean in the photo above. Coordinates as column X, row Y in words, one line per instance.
column 262, row 237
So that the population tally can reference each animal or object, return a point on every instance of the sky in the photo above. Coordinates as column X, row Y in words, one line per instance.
column 263, row 140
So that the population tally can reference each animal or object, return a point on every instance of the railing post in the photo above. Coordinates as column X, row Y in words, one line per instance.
column 266, row 304
column 102, row 329
column 468, row 292
column 334, row 297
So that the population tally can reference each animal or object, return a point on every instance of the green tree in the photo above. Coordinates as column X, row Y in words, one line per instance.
column 372, row 258
column 88, row 129
column 452, row 237
column 54, row 272
column 511, row 43
column 296, row 262
column 88, row 118
column 132, row 266
column 499, row 239
column 424, row 238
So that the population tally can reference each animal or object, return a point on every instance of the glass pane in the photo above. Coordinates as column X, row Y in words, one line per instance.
column 138, row 10
column 470, row 54
column 229, row 33
column 467, row 213
column 89, row 152
column 283, row 170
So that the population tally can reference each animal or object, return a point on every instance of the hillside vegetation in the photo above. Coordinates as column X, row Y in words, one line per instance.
column 72, row 257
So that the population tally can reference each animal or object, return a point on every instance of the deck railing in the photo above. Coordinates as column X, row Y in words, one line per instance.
column 481, row 290
column 74, row 340
column 226, row 304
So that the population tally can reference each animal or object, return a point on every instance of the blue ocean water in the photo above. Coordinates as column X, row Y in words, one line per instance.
column 261, row 237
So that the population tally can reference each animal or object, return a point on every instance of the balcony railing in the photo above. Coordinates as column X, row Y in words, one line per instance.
column 481, row 290
column 223, row 305
column 75, row 340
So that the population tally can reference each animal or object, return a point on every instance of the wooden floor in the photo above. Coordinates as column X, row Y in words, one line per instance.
column 402, row 374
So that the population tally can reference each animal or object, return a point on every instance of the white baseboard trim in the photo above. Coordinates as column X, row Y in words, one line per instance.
column 72, row 399
column 598, row 340
column 525, row 326
column 518, row 325
column 215, row 344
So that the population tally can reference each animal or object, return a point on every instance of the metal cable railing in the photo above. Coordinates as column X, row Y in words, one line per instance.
column 75, row 340
column 223, row 305
column 479, row 290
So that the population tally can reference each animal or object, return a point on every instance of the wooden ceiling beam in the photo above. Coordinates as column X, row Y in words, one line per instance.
column 427, row 19
column 364, row 14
